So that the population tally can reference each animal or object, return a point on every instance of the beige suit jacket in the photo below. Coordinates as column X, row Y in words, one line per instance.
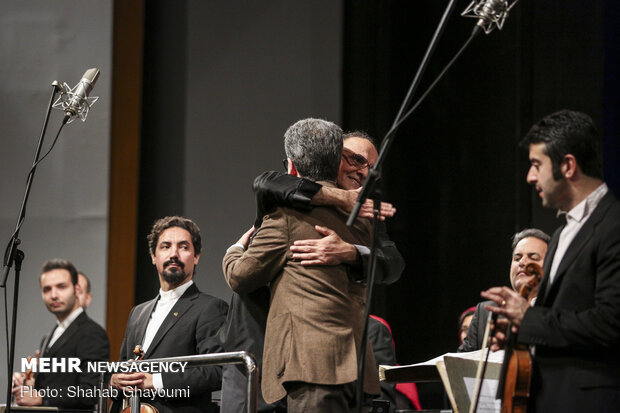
column 316, row 316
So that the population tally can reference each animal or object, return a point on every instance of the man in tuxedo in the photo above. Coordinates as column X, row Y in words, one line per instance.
column 244, row 328
column 75, row 335
column 316, row 314
column 180, row 321
column 575, row 323
column 528, row 246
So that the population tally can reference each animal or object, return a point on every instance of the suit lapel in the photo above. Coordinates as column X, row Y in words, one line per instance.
column 183, row 304
column 69, row 332
column 553, row 246
column 46, row 341
column 581, row 239
column 142, row 320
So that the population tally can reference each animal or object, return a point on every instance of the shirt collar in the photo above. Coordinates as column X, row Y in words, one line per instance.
column 584, row 209
column 175, row 293
column 70, row 318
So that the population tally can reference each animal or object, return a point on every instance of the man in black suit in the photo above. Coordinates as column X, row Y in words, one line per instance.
column 575, row 323
column 245, row 325
column 75, row 335
column 180, row 321
column 528, row 246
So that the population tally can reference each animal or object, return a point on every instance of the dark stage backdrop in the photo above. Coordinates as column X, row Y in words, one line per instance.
column 455, row 172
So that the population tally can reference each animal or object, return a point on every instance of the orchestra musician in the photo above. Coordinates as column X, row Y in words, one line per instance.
column 529, row 245
column 180, row 321
column 574, row 326
column 74, row 335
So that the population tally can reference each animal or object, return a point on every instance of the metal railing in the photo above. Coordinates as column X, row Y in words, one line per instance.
column 217, row 359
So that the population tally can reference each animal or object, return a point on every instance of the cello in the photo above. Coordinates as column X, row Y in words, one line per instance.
column 516, row 373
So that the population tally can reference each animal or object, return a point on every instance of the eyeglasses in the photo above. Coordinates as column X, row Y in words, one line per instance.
column 354, row 159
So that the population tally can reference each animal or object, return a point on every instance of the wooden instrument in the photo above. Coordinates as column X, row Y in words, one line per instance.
column 516, row 375
column 133, row 404
column 28, row 374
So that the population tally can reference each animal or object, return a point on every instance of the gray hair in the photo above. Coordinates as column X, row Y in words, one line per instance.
column 529, row 232
column 315, row 147
column 359, row 134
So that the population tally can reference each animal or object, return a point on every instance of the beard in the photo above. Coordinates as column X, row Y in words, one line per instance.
column 174, row 275
column 64, row 310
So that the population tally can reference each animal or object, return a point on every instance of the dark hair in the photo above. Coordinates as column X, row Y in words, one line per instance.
column 529, row 232
column 359, row 134
column 87, row 280
column 163, row 224
column 315, row 147
column 58, row 264
column 568, row 132
column 468, row 312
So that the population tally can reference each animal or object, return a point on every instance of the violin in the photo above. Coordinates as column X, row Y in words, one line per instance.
column 517, row 367
column 28, row 373
column 133, row 405
column 28, row 379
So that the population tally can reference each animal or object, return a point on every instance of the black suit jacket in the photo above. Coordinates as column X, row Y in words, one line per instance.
column 475, row 333
column 189, row 328
column 86, row 340
column 575, row 323
column 385, row 354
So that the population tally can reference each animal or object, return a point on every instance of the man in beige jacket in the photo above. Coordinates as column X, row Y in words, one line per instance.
column 316, row 316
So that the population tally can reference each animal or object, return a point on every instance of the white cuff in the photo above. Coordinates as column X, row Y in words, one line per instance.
column 362, row 249
column 158, row 383
column 236, row 245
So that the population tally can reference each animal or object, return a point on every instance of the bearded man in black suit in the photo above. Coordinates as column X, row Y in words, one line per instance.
column 575, row 323
column 180, row 321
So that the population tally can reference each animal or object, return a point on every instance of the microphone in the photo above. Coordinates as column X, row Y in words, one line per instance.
column 490, row 13
column 75, row 101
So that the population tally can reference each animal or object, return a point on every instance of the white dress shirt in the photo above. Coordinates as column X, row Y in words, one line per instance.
column 575, row 218
column 167, row 300
column 63, row 325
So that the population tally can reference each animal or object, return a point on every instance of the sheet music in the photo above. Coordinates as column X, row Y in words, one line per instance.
column 487, row 402
column 494, row 357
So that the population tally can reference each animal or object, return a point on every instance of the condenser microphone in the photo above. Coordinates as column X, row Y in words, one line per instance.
column 490, row 13
column 75, row 101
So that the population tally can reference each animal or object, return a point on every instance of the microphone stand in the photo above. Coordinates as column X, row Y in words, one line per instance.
column 373, row 176
column 374, row 173
column 14, row 255
column 370, row 277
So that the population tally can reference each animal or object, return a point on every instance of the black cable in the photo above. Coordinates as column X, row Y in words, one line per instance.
column 29, row 176
column 6, row 325
column 373, row 173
